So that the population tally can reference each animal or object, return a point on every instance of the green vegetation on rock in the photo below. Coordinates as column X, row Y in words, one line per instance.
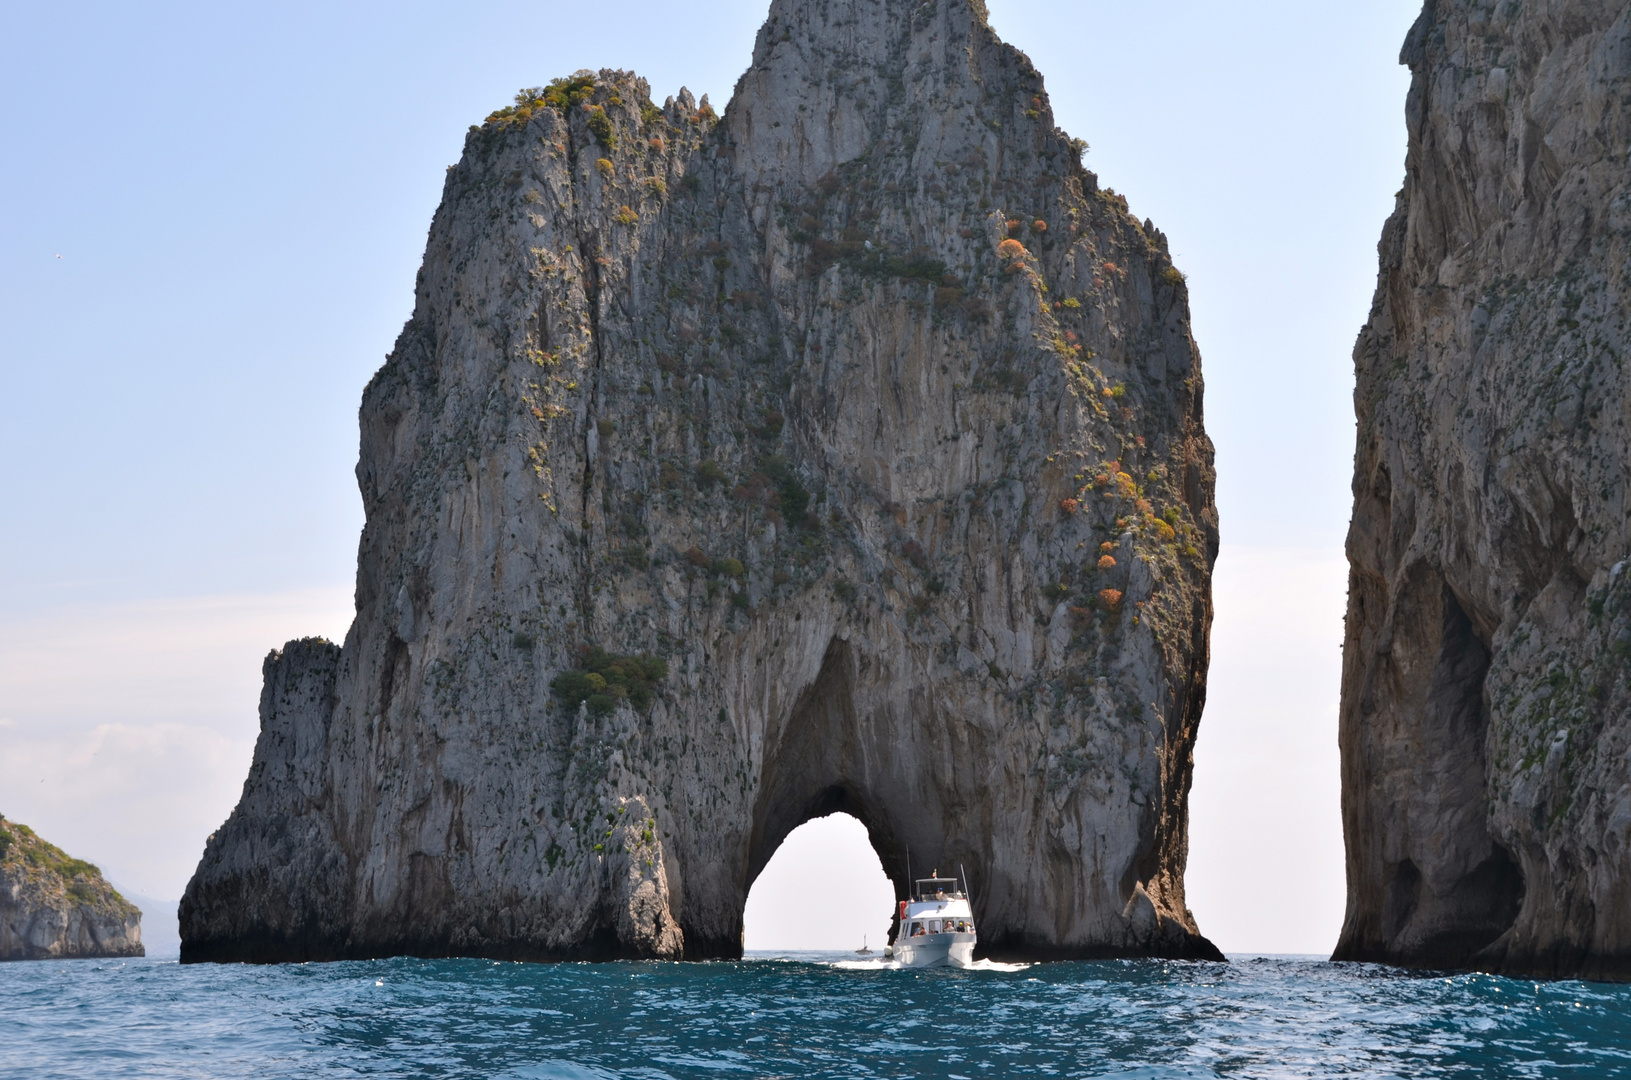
column 22, row 849
column 603, row 680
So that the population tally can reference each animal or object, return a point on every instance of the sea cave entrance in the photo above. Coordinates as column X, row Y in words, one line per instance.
column 823, row 890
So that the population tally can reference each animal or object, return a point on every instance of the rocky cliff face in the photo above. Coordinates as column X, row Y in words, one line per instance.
column 1486, row 713
column 841, row 453
column 53, row 907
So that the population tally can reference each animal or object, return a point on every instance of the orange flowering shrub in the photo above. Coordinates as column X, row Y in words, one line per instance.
column 1112, row 268
column 1069, row 506
column 1039, row 225
column 1011, row 249
column 1165, row 531
column 1110, row 597
column 1012, row 225
column 1107, row 562
column 1107, row 547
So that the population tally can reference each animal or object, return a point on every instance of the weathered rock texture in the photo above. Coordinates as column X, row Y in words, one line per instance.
column 764, row 396
column 53, row 907
column 1486, row 714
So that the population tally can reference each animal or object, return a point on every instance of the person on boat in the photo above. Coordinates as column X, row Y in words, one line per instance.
column 917, row 929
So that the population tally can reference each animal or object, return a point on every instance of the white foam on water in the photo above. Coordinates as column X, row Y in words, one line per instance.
column 879, row 964
column 996, row 965
column 895, row 965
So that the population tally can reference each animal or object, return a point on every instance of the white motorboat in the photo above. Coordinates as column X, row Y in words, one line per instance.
column 936, row 926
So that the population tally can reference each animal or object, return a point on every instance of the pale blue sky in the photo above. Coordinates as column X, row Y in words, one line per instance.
column 239, row 196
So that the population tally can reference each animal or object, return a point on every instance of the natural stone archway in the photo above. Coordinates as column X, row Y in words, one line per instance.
column 830, row 756
column 860, row 429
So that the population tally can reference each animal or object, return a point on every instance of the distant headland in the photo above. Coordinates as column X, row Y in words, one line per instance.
column 55, row 907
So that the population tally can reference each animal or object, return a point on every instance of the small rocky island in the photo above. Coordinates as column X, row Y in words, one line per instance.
column 55, row 907
column 840, row 452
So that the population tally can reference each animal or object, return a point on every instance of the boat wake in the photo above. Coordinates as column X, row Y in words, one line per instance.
column 894, row 965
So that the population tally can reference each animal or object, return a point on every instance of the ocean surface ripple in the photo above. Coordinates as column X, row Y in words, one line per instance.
column 799, row 1015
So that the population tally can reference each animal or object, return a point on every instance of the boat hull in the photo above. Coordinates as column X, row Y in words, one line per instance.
column 936, row 950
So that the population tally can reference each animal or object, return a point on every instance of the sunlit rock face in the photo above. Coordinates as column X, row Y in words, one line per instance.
column 1486, row 716
column 866, row 412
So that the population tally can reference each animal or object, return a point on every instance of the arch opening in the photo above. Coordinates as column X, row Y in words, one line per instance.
column 823, row 889
column 840, row 768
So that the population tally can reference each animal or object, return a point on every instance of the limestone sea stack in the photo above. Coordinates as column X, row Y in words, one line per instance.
column 1486, row 709
column 54, row 907
column 840, row 453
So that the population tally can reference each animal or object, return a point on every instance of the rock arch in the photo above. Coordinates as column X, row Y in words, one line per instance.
column 839, row 751
column 862, row 409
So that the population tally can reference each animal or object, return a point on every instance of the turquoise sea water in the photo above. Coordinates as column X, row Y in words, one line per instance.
column 801, row 1015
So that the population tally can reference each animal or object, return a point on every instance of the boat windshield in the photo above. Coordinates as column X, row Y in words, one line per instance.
column 938, row 888
column 922, row 927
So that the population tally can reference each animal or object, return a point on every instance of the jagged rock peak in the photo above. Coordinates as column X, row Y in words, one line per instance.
column 1486, row 710
column 842, row 453
column 833, row 81
column 55, row 907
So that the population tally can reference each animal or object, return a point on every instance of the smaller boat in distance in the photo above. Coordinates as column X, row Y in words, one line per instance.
column 936, row 925
column 863, row 950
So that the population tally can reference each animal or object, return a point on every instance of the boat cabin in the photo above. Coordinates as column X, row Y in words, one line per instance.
column 938, row 888
column 936, row 925
column 938, row 906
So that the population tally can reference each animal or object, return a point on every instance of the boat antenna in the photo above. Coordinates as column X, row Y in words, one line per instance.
column 964, row 874
column 908, row 871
